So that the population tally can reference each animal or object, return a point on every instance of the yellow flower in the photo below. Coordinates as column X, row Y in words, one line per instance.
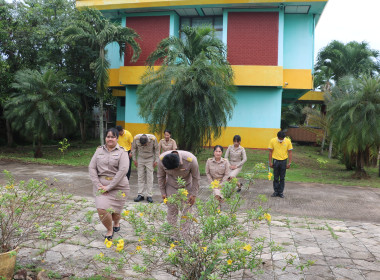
column 204, row 249
column 172, row 246
column 229, row 262
column 121, row 241
column 215, row 184
column 247, row 247
column 119, row 247
column 140, row 239
column 52, row 206
column 141, row 214
column 153, row 239
column 123, row 194
column 268, row 217
column 218, row 211
column 105, row 241
column 47, row 179
column 101, row 255
column 270, row 175
column 185, row 192
column 109, row 244
column 165, row 200
column 224, row 252
column 8, row 187
column 126, row 212
column 138, row 248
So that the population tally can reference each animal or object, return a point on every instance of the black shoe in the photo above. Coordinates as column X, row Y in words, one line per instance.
column 116, row 229
column 281, row 195
column 238, row 190
column 139, row 198
column 109, row 238
column 274, row 194
column 149, row 199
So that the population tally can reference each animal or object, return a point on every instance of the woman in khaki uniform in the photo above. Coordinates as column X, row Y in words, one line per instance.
column 217, row 168
column 107, row 169
column 237, row 157
column 167, row 143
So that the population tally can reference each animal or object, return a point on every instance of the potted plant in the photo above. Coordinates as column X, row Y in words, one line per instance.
column 30, row 211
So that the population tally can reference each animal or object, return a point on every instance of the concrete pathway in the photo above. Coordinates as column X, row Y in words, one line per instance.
column 337, row 227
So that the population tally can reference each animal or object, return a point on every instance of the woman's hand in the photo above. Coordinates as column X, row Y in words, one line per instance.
column 233, row 167
column 103, row 189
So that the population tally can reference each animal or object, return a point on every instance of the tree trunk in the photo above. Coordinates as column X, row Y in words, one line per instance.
column 330, row 148
column 360, row 173
column 101, row 128
column 323, row 142
column 9, row 133
column 82, row 126
column 38, row 152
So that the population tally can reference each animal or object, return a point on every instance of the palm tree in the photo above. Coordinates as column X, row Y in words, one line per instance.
column 355, row 109
column 40, row 104
column 192, row 92
column 97, row 31
column 337, row 60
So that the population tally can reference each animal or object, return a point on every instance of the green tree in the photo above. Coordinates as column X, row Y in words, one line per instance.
column 39, row 105
column 354, row 108
column 192, row 92
column 97, row 31
column 337, row 60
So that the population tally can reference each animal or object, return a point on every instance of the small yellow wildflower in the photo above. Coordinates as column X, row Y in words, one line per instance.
column 101, row 255
column 224, row 252
column 119, row 247
column 172, row 246
column 270, row 175
column 153, row 239
column 268, row 217
column 123, row 194
column 120, row 241
column 138, row 248
column 141, row 214
column 47, row 179
column 109, row 244
column 247, row 247
column 165, row 200
column 215, row 184
column 52, row 206
column 140, row 239
column 8, row 187
column 126, row 212
column 105, row 241
column 185, row 192
column 218, row 211
column 229, row 262
column 204, row 249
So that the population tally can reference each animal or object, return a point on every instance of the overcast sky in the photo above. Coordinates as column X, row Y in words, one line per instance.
column 349, row 20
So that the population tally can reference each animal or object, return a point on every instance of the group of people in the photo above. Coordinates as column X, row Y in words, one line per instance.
column 110, row 171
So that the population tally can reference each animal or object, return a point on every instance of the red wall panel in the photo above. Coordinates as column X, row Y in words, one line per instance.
column 252, row 38
column 151, row 30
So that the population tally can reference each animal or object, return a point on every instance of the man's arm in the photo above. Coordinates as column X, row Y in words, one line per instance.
column 290, row 159
column 270, row 157
column 161, row 176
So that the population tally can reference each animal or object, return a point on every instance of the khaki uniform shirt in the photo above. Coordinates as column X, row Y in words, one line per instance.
column 147, row 152
column 237, row 155
column 167, row 146
column 217, row 170
column 113, row 164
column 188, row 169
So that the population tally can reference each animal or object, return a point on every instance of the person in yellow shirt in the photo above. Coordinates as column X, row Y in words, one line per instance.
column 125, row 140
column 280, row 150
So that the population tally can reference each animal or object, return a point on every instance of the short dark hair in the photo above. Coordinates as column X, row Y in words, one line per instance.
column 168, row 131
column 237, row 138
column 113, row 131
column 119, row 128
column 143, row 139
column 171, row 161
column 218, row 146
column 281, row 134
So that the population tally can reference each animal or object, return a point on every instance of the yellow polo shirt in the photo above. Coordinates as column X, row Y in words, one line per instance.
column 125, row 140
column 280, row 150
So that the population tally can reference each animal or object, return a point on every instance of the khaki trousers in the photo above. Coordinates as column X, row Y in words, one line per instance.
column 145, row 176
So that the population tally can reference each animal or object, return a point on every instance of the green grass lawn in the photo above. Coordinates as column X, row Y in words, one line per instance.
column 305, row 167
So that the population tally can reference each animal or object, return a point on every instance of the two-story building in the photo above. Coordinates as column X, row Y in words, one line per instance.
column 270, row 46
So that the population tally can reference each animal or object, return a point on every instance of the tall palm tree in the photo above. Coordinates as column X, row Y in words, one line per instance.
column 192, row 92
column 355, row 109
column 39, row 105
column 338, row 60
column 91, row 27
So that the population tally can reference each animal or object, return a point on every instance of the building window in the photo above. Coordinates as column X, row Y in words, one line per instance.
column 215, row 22
column 122, row 101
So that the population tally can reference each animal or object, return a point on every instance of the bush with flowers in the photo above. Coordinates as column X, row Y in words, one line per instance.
column 33, row 211
column 207, row 243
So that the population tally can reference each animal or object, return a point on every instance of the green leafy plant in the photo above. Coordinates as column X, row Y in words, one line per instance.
column 206, row 243
column 322, row 162
column 31, row 211
column 64, row 146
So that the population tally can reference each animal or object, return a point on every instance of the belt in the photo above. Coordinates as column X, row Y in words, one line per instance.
column 108, row 178
column 280, row 159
